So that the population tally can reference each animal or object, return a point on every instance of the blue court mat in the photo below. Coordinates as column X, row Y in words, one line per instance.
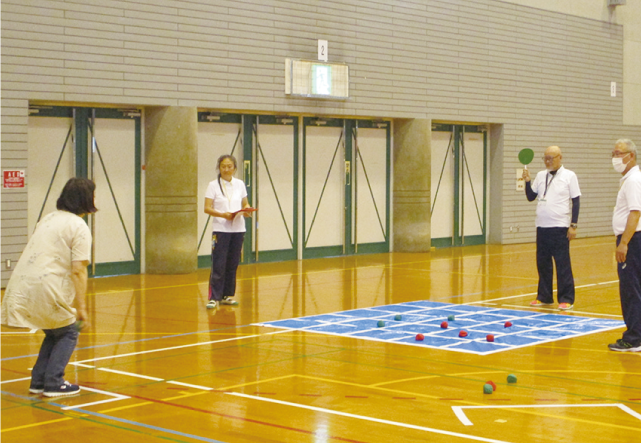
column 403, row 321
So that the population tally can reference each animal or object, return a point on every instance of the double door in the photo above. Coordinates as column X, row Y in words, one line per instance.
column 346, row 174
column 458, row 190
column 100, row 144
column 343, row 204
column 266, row 151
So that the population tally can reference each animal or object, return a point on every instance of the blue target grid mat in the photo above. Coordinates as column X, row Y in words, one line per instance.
column 403, row 321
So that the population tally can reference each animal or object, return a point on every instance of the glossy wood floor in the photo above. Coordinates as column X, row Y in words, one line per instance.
column 157, row 366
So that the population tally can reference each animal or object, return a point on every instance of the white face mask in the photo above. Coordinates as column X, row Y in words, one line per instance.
column 618, row 165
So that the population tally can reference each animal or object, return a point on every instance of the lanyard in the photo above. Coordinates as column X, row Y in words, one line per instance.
column 548, row 183
column 225, row 192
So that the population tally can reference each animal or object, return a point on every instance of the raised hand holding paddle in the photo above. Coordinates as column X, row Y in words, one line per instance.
column 525, row 157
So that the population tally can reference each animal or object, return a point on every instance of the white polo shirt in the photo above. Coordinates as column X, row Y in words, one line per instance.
column 628, row 199
column 229, row 198
column 554, row 196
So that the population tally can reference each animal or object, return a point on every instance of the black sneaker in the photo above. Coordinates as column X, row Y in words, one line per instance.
column 624, row 346
column 64, row 390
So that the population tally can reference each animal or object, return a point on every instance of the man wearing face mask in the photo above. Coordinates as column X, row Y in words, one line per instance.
column 626, row 223
column 557, row 215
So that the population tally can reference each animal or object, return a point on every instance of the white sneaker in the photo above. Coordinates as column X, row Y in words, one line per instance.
column 228, row 301
column 212, row 304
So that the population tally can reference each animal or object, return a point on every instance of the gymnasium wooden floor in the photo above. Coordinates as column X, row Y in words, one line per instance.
column 157, row 366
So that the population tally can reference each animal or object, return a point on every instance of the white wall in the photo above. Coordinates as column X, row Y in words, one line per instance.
column 544, row 74
column 628, row 15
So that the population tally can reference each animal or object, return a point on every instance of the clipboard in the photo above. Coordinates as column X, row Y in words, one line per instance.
column 244, row 210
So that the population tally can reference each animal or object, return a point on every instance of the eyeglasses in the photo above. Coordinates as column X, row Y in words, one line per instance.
column 619, row 153
column 547, row 158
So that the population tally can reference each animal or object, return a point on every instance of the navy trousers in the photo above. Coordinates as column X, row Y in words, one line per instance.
column 630, row 290
column 49, row 371
column 226, row 248
column 553, row 243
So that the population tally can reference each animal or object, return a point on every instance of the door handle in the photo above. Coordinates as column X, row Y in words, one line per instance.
column 348, row 172
column 247, row 170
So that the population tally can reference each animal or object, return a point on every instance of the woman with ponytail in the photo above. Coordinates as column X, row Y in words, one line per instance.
column 225, row 197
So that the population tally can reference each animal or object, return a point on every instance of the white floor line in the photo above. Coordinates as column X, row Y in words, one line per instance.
column 492, row 300
column 534, row 293
column 130, row 374
column 571, row 310
column 630, row 411
column 371, row 419
column 178, row 347
column 14, row 380
column 116, row 397
column 458, row 410
column 179, row 383
column 81, row 365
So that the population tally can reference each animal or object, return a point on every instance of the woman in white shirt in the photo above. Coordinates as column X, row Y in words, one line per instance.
column 224, row 198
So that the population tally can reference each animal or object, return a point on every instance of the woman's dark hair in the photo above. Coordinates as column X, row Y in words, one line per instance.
column 220, row 160
column 77, row 196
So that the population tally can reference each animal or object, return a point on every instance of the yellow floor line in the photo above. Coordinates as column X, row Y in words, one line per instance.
column 42, row 423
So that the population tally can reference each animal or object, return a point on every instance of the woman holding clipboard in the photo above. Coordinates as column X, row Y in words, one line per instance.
column 226, row 201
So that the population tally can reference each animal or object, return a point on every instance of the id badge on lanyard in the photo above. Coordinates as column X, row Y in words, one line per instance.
column 543, row 200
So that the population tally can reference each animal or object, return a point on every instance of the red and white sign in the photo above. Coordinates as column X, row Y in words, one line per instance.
column 13, row 179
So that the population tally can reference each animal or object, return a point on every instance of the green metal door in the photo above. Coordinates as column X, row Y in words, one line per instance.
column 346, row 187
column 218, row 134
column 270, row 171
column 459, row 185
column 103, row 145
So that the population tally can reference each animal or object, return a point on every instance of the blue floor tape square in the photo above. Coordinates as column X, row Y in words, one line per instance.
column 425, row 317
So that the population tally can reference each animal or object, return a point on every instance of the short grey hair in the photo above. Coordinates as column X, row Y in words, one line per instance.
column 629, row 144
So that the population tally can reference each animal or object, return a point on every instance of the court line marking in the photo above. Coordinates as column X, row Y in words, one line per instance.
column 188, row 385
column 82, row 415
column 40, row 423
column 366, row 418
column 534, row 293
column 375, row 385
column 121, row 408
column 150, row 351
column 130, row 374
column 556, row 310
column 458, row 411
column 14, row 380
column 147, row 426
column 83, row 388
column 436, row 333
column 116, row 397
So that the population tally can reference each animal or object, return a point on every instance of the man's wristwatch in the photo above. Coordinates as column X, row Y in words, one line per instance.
column 574, row 225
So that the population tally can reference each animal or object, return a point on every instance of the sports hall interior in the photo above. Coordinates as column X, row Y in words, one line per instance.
column 379, row 142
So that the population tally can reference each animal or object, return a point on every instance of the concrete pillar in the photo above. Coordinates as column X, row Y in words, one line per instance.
column 171, row 182
column 412, row 180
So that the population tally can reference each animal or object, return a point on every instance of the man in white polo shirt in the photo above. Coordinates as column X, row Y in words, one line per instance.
column 626, row 223
column 557, row 191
